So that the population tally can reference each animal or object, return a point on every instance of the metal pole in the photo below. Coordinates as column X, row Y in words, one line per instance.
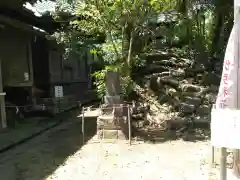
column 129, row 126
column 236, row 18
column 223, row 164
column 212, row 159
column 59, row 110
column 83, row 138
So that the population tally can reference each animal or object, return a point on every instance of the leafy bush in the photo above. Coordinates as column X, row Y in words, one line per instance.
column 126, row 82
column 100, row 84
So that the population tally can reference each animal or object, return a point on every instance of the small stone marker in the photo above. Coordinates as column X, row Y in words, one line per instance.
column 113, row 88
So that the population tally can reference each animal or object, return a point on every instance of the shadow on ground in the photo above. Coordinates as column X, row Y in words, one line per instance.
column 156, row 135
column 40, row 157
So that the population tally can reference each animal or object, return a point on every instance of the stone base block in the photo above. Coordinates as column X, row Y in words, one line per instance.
column 111, row 134
column 112, row 100
column 107, row 122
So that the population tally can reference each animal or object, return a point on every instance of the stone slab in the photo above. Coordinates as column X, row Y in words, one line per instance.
column 111, row 134
column 107, row 122
column 112, row 82
column 112, row 99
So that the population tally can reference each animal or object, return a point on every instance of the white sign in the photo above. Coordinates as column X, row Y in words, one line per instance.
column 225, row 121
column 26, row 76
column 225, row 128
column 58, row 91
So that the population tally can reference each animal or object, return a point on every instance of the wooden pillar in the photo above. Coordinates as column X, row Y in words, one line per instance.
column 3, row 121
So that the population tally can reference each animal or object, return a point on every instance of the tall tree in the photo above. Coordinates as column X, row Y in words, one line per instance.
column 122, row 21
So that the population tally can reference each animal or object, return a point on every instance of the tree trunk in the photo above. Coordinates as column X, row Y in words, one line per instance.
column 129, row 59
column 216, row 32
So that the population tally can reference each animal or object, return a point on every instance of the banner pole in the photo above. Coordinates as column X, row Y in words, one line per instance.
column 223, row 164
column 236, row 48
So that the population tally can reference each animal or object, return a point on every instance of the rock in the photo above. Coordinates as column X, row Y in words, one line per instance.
column 211, row 98
column 139, row 116
column 172, row 82
column 162, row 74
column 164, row 99
column 176, row 123
column 190, row 72
column 218, row 67
column 210, row 79
column 145, row 123
column 191, row 88
column 202, row 121
column 204, row 110
column 184, row 81
column 178, row 73
column 213, row 89
column 173, row 92
column 153, row 83
column 187, row 108
column 193, row 100
column 192, row 94
column 153, row 68
column 135, row 124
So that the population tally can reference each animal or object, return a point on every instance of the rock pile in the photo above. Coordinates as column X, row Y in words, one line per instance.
column 176, row 92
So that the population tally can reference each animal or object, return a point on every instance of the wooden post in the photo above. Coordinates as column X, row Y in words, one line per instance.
column 83, row 135
column 3, row 123
column 129, row 126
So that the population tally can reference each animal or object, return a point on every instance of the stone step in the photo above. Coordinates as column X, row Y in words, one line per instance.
column 109, row 122
column 117, row 110
column 111, row 134
column 112, row 99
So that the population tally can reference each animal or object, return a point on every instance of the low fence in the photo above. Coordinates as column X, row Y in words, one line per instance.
column 112, row 117
column 57, row 105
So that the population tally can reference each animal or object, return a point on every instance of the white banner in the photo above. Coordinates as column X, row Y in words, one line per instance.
column 225, row 128
column 225, row 117
column 227, row 91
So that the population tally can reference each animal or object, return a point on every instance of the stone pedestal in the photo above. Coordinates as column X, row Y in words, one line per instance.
column 110, row 127
column 112, row 124
column 112, row 99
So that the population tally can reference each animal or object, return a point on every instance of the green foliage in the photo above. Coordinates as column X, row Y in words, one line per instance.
column 99, row 83
column 198, row 27
column 126, row 82
column 112, row 18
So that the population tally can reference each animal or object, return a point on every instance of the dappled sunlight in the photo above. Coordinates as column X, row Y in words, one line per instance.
column 40, row 157
column 118, row 160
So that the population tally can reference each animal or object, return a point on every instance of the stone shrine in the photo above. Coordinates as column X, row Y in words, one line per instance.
column 113, row 123
column 113, row 88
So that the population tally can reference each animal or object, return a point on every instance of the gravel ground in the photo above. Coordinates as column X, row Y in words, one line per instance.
column 59, row 155
column 176, row 160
